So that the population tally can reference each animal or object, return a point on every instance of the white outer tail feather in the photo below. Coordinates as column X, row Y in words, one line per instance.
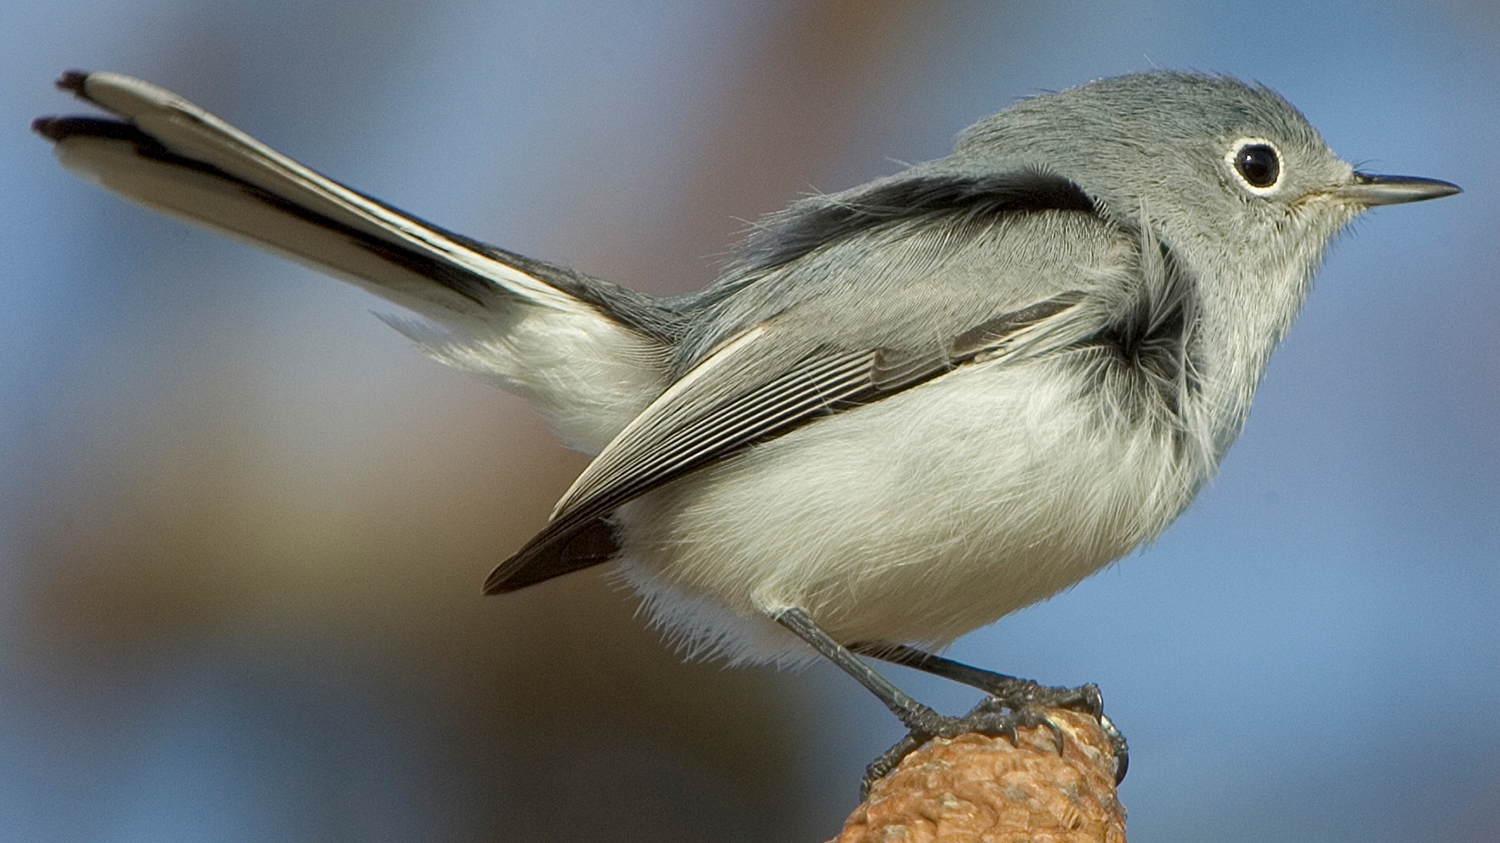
column 586, row 372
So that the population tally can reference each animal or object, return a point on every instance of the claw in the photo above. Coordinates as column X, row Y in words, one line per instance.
column 1034, row 717
column 1117, row 743
column 882, row 766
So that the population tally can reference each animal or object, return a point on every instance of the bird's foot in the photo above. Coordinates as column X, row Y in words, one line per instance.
column 1019, row 704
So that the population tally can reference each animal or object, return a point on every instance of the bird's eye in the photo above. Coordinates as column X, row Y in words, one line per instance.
column 1257, row 162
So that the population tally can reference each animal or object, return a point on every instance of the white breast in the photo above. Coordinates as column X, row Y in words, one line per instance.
column 915, row 519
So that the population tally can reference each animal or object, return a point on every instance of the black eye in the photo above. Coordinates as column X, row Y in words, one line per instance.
column 1258, row 164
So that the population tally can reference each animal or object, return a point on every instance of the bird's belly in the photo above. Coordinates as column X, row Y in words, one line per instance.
column 915, row 519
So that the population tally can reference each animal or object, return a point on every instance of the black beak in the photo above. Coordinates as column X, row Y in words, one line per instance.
column 1371, row 190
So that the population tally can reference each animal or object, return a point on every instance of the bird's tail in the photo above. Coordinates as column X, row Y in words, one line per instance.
column 589, row 355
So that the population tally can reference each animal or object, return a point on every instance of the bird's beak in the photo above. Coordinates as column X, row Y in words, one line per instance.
column 1370, row 190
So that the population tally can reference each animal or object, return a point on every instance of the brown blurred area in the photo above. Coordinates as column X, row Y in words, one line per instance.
column 243, row 523
column 196, row 537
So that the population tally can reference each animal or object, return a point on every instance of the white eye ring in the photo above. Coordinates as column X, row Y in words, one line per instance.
column 1256, row 163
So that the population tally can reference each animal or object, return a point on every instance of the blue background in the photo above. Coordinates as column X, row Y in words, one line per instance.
column 243, row 523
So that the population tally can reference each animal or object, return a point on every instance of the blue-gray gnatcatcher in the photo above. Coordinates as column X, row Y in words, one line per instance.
column 905, row 409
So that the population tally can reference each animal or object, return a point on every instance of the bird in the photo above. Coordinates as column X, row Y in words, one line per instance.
column 902, row 410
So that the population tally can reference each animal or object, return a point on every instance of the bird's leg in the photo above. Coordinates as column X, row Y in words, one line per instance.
column 916, row 717
column 1014, row 692
column 921, row 722
column 993, row 716
column 1026, row 700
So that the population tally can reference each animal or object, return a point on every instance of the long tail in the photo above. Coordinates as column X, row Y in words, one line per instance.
column 588, row 354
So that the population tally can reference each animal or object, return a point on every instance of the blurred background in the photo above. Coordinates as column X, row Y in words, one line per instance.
column 243, row 523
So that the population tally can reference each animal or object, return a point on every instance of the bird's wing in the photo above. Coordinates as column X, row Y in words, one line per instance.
column 755, row 387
